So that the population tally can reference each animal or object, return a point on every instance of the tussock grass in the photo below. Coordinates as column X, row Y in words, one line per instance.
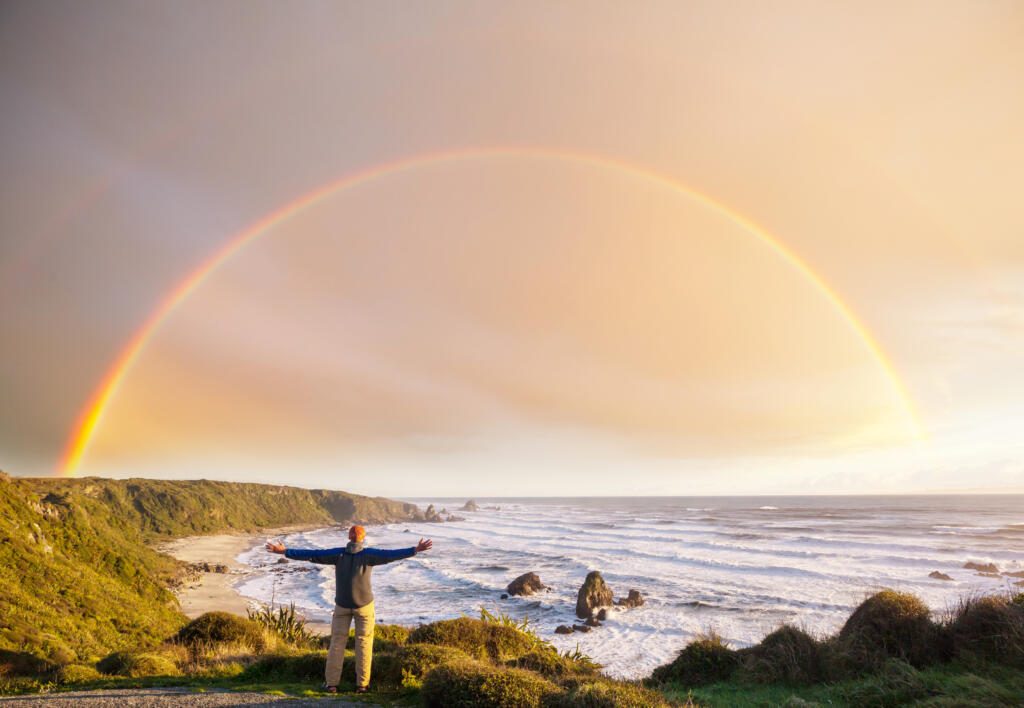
column 787, row 655
column 76, row 673
column 476, row 684
column 547, row 662
column 707, row 659
column 602, row 692
column 483, row 640
column 887, row 625
column 137, row 664
column 989, row 628
column 215, row 628
column 408, row 665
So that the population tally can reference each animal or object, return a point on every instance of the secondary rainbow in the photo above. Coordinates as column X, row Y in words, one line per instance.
column 92, row 413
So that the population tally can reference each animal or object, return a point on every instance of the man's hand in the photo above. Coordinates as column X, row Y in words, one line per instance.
column 275, row 547
column 424, row 545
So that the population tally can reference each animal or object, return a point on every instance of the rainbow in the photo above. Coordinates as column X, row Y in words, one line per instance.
column 92, row 413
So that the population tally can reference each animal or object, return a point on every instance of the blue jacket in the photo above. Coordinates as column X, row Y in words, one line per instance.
column 353, row 565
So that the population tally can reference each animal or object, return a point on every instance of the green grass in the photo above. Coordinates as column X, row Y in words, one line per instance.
column 488, row 662
column 494, row 663
column 946, row 685
column 200, row 685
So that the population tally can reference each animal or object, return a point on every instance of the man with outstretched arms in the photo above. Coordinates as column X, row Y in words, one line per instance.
column 353, row 597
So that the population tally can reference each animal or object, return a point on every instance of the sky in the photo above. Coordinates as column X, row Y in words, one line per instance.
column 510, row 249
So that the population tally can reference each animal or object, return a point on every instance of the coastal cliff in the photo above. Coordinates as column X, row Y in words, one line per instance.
column 78, row 577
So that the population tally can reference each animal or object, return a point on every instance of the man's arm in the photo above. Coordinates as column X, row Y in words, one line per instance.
column 380, row 556
column 323, row 556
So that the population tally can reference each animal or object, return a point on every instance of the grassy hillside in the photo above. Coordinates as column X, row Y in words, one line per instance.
column 890, row 652
column 77, row 579
column 170, row 508
column 491, row 662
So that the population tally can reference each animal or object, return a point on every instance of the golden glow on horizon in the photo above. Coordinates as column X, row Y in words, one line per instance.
column 92, row 413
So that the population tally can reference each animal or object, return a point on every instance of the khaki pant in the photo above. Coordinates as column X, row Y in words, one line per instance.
column 343, row 616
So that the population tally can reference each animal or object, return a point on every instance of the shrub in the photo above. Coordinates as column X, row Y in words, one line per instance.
column 306, row 666
column 137, row 665
column 76, row 673
column 787, row 655
column 547, row 662
column 21, row 663
column 989, row 628
column 60, row 654
column 414, row 661
column 221, row 628
column 707, row 659
column 472, row 684
column 482, row 640
column 896, row 683
column 887, row 625
column 606, row 693
column 385, row 637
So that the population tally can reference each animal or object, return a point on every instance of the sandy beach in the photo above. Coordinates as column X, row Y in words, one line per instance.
column 216, row 591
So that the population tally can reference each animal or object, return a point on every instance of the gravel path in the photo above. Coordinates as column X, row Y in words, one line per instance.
column 169, row 697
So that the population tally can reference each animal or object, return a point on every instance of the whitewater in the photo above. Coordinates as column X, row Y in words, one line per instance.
column 738, row 566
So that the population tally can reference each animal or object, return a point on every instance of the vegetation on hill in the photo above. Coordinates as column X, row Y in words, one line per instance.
column 77, row 578
column 890, row 652
column 491, row 661
column 173, row 508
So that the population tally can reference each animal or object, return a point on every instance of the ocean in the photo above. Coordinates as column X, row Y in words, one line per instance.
column 740, row 566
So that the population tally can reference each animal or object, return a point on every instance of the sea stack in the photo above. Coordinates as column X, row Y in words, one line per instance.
column 526, row 584
column 593, row 594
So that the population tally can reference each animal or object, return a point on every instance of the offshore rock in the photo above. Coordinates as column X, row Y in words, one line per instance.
column 593, row 594
column 938, row 576
column 981, row 567
column 526, row 585
column 634, row 599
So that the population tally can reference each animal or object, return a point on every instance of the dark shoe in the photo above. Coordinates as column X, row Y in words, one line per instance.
column 331, row 689
column 363, row 689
